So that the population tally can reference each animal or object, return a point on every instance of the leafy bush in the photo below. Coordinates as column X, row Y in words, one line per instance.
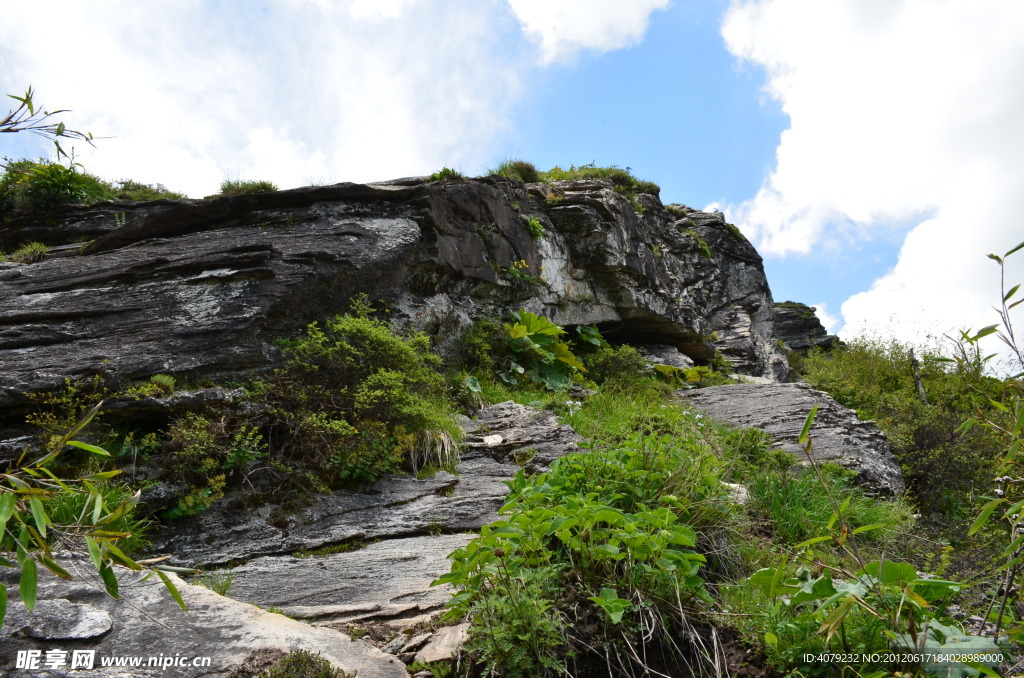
column 27, row 185
column 204, row 452
column 243, row 187
column 446, row 174
column 942, row 464
column 535, row 351
column 519, row 170
column 600, row 534
column 355, row 400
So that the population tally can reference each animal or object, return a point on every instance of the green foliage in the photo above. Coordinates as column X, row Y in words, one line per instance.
column 622, row 181
column 304, row 664
column 615, row 367
column 30, row 253
column 244, row 187
column 355, row 400
column 39, row 508
column 941, row 462
column 536, row 351
column 534, row 225
column 520, row 170
column 135, row 191
column 164, row 382
column 25, row 118
column 218, row 581
column 203, row 451
column 28, row 186
column 702, row 246
column 447, row 174
column 608, row 527
column 799, row 507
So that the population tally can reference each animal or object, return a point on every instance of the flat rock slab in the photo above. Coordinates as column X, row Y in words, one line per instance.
column 387, row 579
column 393, row 508
column 146, row 623
column 780, row 411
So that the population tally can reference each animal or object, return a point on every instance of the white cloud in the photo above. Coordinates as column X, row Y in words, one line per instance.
column 899, row 111
column 828, row 321
column 293, row 91
column 566, row 27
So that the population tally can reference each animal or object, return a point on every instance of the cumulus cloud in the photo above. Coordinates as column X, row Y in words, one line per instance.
column 293, row 91
column 828, row 321
column 899, row 111
column 564, row 28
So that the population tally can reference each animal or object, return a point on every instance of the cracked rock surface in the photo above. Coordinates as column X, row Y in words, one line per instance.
column 780, row 411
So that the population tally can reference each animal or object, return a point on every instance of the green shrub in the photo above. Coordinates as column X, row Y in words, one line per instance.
column 446, row 174
column 30, row 253
column 603, row 533
column 942, row 464
column 520, row 170
column 163, row 382
column 205, row 452
column 355, row 400
column 135, row 191
column 28, row 186
column 244, row 187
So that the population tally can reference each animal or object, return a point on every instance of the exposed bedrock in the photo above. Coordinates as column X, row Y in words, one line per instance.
column 205, row 287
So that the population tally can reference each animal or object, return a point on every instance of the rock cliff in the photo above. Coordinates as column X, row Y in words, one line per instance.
column 204, row 288
column 797, row 326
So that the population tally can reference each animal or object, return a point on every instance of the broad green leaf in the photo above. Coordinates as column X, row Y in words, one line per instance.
column 173, row 590
column 561, row 352
column 890, row 572
column 771, row 640
column 27, row 584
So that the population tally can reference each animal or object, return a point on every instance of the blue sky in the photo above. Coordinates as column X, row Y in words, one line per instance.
column 871, row 149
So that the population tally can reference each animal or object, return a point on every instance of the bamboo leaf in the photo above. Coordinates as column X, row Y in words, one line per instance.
column 816, row 540
column 39, row 515
column 986, row 511
column 109, row 579
column 88, row 448
column 1013, row 290
column 173, row 590
column 50, row 565
column 1014, row 250
column 27, row 584
column 117, row 556
column 94, row 552
column 807, row 423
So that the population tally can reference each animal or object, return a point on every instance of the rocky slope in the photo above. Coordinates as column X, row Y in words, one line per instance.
column 204, row 288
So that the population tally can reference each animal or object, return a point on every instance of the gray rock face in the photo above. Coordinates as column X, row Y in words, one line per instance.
column 781, row 409
column 58, row 619
column 146, row 623
column 203, row 288
column 800, row 329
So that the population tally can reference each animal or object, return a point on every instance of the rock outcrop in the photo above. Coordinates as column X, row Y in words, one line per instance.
column 390, row 541
column 204, row 288
column 837, row 434
column 799, row 328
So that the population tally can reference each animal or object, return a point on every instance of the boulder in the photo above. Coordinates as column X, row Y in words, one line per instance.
column 145, row 625
column 780, row 410
column 203, row 289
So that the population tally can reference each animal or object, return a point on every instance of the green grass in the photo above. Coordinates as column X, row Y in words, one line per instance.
column 242, row 187
column 30, row 253
column 520, row 170
column 446, row 174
